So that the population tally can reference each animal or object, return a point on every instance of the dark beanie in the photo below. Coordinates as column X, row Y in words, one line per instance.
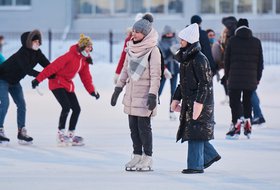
column 35, row 37
column 242, row 22
column 196, row 19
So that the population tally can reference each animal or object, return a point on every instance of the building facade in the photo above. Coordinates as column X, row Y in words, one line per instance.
column 117, row 15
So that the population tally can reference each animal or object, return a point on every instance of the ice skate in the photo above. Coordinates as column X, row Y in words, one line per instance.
column 258, row 121
column 145, row 164
column 62, row 139
column 3, row 139
column 23, row 138
column 247, row 128
column 234, row 131
column 172, row 116
column 75, row 140
column 130, row 166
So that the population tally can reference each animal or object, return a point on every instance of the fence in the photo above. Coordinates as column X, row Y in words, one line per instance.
column 108, row 46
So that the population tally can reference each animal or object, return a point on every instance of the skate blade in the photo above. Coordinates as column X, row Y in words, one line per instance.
column 78, row 144
column 234, row 137
column 248, row 136
column 148, row 169
column 63, row 144
column 4, row 143
column 22, row 142
column 130, row 169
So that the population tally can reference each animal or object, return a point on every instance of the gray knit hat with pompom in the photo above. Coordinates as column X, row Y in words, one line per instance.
column 144, row 25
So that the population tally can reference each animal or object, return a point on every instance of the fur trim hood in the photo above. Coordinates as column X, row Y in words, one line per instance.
column 26, row 38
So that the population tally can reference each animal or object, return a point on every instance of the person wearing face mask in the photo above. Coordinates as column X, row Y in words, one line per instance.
column 65, row 67
column 194, row 100
column 14, row 69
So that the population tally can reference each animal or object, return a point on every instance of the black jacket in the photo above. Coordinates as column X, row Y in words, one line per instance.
column 195, row 85
column 206, row 49
column 243, row 60
column 23, row 61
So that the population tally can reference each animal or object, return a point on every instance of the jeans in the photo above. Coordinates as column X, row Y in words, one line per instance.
column 173, row 85
column 141, row 134
column 256, row 105
column 17, row 95
column 67, row 100
column 199, row 154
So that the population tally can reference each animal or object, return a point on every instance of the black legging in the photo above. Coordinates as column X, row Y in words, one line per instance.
column 67, row 100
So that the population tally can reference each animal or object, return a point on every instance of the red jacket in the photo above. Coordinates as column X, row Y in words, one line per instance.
column 123, row 55
column 65, row 68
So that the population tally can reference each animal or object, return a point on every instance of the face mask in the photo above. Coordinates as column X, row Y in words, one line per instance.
column 35, row 47
column 212, row 40
column 84, row 53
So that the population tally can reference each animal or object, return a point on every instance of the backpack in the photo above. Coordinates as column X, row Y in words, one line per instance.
column 162, row 65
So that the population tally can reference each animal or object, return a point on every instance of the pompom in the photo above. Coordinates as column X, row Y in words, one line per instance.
column 148, row 17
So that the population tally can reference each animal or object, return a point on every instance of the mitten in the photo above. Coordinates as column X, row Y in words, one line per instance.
column 52, row 76
column 152, row 101
column 34, row 83
column 96, row 95
column 89, row 60
column 115, row 95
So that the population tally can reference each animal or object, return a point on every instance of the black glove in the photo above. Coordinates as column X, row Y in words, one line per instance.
column 52, row 76
column 34, row 83
column 96, row 95
column 89, row 60
column 115, row 95
column 152, row 101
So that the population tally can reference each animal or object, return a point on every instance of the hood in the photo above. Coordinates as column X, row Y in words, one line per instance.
column 243, row 32
column 26, row 38
column 184, row 54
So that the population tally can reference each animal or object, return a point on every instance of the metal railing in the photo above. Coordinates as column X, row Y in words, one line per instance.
column 110, row 48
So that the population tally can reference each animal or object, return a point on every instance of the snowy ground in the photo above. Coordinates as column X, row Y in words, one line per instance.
column 245, row 164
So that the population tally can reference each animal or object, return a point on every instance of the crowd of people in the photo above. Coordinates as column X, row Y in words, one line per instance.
column 147, row 61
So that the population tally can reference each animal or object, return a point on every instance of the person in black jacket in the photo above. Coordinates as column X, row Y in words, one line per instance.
column 243, row 71
column 197, row 107
column 12, row 71
column 205, row 44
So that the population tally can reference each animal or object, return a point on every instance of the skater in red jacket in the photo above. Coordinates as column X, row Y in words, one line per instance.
column 64, row 69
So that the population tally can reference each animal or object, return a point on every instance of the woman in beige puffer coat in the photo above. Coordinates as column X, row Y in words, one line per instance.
column 141, row 74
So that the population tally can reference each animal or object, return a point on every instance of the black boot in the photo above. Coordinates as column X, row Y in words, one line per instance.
column 192, row 171
column 22, row 135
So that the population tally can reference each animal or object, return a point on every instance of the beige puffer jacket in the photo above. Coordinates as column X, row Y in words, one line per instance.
column 136, row 94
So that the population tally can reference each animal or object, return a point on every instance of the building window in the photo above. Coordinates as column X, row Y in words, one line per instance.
column 15, row 4
column 207, row 6
column 175, row 6
column 264, row 6
column 112, row 7
column 157, row 6
column 277, row 6
column 226, row 6
column 244, row 6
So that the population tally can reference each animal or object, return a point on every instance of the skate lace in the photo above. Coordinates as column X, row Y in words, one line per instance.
column 2, row 132
column 23, row 132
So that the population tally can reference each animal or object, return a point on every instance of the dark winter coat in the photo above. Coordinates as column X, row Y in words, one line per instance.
column 65, row 68
column 165, row 44
column 243, row 60
column 23, row 61
column 195, row 85
column 206, row 49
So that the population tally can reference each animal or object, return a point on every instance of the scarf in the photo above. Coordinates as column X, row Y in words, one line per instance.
column 138, row 54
